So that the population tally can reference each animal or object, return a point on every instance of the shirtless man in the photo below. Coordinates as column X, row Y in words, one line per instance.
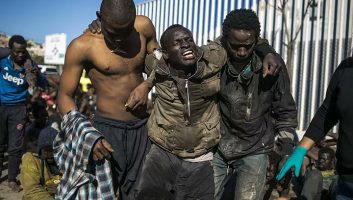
column 114, row 61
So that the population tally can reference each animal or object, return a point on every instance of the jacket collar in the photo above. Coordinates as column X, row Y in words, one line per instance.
column 256, row 64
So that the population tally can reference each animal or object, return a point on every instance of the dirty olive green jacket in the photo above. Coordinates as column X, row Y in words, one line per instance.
column 185, row 116
column 30, row 175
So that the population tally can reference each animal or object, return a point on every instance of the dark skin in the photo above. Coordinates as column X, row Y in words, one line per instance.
column 272, row 64
column 271, row 67
column 325, row 161
column 47, row 152
column 180, row 52
column 114, row 69
column 21, row 57
column 240, row 46
column 6, row 52
column 18, row 54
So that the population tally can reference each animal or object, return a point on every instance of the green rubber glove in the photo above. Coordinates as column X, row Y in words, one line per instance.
column 295, row 160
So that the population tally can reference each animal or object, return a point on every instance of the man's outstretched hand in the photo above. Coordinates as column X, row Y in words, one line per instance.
column 139, row 96
column 102, row 150
column 272, row 65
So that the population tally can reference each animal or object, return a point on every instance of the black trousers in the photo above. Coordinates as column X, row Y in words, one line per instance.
column 130, row 143
column 168, row 177
column 12, row 128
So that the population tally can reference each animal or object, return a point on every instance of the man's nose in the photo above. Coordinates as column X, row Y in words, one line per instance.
column 185, row 44
column 242, row 52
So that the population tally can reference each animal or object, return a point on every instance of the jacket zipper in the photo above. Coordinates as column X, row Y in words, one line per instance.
column 187, row 95
column 187, row 90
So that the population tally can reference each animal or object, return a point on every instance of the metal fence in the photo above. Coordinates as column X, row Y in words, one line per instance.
column 312, row 36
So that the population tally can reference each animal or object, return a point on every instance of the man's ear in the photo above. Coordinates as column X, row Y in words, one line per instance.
column 98, row 13
column 165, row 55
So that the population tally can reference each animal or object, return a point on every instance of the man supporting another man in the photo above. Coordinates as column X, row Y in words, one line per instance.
column 179, row 112
column 114, row 62
column 249, row 103
column 184, row 123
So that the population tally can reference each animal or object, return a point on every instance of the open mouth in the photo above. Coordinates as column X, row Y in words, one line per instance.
column 188, row 55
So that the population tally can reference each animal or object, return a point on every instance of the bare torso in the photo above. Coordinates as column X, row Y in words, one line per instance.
column 115, row 76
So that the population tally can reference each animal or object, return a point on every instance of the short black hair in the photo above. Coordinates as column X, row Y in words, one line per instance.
column 18, row 39
column 327, row 150
column 165, row 38
column 241, row 19
column 119, row 10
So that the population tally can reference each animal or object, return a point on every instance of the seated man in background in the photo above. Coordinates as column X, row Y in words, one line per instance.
column 38, row 120
column 320, row 181
column 39, row 172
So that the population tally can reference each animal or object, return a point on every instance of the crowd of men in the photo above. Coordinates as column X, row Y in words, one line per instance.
column 221, row 126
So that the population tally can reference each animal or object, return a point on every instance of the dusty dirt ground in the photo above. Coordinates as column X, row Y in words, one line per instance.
column 5, row 191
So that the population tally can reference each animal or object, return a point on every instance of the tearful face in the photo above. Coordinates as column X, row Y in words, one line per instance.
column 181, row 49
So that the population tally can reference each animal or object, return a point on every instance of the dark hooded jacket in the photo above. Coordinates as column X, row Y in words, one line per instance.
column 253, row 109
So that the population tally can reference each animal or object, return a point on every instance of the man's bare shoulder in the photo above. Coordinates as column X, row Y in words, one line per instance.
column 82, row 48
column 144, row 25
column 85, row 41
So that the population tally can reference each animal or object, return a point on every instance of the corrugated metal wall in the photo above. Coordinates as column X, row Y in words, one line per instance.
column 320, row 34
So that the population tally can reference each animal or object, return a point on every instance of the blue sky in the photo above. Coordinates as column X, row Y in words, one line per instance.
column 34, row 19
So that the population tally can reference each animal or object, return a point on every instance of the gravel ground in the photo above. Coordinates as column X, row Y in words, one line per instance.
column 5, row 191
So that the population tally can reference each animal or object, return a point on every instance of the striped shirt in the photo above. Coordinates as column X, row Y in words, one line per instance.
column 72, row 147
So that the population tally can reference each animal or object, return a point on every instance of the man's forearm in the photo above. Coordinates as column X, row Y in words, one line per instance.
column 66, row 103
column 306, row 142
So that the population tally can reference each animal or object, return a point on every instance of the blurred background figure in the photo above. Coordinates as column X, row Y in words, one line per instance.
column 87, row 106
column 320, row 179
column 39, row 173
column 18, row 77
